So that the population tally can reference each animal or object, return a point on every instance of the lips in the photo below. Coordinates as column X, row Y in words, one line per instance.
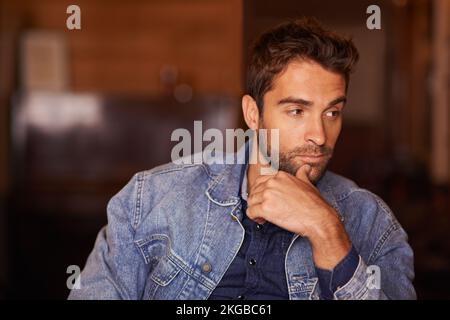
column 312, row 155
column 313, row 158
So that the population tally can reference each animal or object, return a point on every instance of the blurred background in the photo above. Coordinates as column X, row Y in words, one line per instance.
column 82, row 110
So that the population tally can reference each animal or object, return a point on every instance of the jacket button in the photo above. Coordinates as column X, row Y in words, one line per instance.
column 206, row 267
column 252, row 262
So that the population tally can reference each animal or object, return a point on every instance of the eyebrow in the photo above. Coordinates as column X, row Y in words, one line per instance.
column 306, row 103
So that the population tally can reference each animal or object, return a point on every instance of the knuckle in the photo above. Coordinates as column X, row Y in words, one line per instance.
column 270, row 182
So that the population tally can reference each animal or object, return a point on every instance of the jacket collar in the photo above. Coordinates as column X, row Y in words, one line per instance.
column 224, row 189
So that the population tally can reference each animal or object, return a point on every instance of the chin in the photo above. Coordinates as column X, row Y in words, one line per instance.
column 316, row 174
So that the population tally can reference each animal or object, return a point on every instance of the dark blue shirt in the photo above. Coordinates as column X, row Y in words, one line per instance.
column 258, row 270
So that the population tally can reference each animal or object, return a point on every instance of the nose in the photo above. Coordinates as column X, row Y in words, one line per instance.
column 315, row 132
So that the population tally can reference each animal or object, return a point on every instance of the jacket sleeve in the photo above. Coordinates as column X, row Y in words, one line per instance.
column 115, row 269
column 389, row 273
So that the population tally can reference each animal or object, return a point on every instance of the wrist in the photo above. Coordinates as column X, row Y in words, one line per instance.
column 329, row 229
column 329, row 243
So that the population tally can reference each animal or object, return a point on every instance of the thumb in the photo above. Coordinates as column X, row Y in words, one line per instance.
column 303, row 172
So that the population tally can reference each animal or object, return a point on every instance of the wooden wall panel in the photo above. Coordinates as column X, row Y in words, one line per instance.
column 123, row 44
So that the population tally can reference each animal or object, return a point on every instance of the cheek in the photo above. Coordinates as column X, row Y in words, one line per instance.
column 270, row 119
column 333, row 132
column 291, row 138
column 275, row 120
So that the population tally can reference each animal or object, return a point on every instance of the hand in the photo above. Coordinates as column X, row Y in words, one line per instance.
column 295, row 204
column 292, row 203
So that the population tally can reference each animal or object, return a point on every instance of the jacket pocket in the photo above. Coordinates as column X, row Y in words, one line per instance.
column 164, row 278
column 165, row 271
column 153, row 248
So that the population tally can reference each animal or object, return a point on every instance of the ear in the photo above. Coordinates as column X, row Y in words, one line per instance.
column 250, row 112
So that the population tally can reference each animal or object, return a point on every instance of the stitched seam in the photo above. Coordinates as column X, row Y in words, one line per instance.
column 393, row 227
column 183, row 266
column 236, row 250
column 211, row 187
column 346, row 195
column 199, row 249
column 143, row 242
column 137, row 208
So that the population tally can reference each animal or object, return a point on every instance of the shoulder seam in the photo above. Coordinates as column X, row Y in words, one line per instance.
column 140, row 176
column 156, row 171
column 350, row 192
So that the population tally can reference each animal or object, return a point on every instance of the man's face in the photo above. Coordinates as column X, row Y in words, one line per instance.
column 305, row 104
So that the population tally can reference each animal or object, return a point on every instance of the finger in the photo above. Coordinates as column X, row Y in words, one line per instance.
column 260, row 220
column 259, row 188
column 278, row 181
column 255, row 212
column 252, row 214
column 255, row 198
column 303, row 173
column 260, row 180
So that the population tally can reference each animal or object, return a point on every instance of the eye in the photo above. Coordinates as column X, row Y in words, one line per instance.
column 333, row 113
column 295, row 112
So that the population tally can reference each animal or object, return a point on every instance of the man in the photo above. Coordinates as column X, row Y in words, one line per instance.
column 221, row 231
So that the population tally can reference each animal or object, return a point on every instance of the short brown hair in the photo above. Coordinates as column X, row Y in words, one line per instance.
column 303, row 38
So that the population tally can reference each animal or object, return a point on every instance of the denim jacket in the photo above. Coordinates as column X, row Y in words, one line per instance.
column 174, row 230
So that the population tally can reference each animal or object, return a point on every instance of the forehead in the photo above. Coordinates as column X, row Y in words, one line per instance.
column 307, row 79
